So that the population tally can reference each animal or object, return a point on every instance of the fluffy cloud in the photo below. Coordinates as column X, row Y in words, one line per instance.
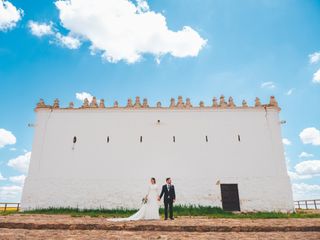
column 286, row 141
column 45, row 29
column 122, row 30
column 9, row 15
column 2, row 178
column 305, row 154
column 84, row 95
column 40, row 29
column 6, row 138
column 305, row 191
column 310, row 136
column 269, row 85
column 9, row 193
column 296, row 176
column 68, row 41
column 18, row 179
column 21, row 163
column 316, row 77
column 314, row 57
column 309, row 167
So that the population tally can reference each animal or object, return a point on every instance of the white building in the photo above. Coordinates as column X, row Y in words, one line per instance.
column 103, row 157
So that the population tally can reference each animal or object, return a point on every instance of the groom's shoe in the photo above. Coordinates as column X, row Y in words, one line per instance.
column 172, row 218
column 166, row 219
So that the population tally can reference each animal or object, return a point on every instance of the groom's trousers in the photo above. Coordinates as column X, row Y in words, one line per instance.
column 168, row 204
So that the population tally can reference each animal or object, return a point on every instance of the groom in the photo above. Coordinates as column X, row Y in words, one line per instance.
column 169, row 198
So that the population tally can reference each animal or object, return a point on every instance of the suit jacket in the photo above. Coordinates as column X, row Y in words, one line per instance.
column 168, row 195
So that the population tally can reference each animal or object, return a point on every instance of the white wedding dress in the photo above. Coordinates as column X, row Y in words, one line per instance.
column 149, row 210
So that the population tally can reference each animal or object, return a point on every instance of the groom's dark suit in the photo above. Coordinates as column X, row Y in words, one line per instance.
column 169, row 195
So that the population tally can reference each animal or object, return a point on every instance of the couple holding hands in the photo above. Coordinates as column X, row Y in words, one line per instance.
column 150, row 207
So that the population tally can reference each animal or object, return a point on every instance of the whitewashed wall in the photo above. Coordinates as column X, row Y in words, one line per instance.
column 94, row 173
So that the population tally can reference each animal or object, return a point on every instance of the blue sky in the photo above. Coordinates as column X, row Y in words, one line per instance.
column 241, row 49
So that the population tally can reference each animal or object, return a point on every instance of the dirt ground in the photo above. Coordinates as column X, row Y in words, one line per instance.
column 66, row 227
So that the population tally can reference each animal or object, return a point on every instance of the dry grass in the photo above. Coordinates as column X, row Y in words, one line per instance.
column 9, row 209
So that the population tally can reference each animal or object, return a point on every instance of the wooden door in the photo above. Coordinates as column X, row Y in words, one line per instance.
column 230, row 197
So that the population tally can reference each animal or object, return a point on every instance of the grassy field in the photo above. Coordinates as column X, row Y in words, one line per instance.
column 8, row 209
column 211, row 212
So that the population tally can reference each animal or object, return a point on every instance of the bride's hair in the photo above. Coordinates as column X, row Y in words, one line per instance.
column 153, row 179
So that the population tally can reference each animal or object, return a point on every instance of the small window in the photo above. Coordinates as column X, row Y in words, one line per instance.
column 239, row 139
column 174, row 138
column 108, row 139
column 141, row 139
column 74, row 139
column 207, row 139
column 158, row 121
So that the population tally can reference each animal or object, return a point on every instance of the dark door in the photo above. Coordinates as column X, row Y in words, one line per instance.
column 230, row 197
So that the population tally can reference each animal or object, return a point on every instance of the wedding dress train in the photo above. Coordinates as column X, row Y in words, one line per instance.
column 148, row 210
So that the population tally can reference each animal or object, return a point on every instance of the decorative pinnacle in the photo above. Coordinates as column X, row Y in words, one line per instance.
column 222, row 103
column 257, row 102
column 129, row 103
column 41, row 104
column 71, row 105
column 56, row 103
column 273, row 102
column 214, row 102
column 244, row 104
column 101, row 104
column 94, row 103
column 172, row 103
column 231, row 103
column 180, row 103
column 137, row 103
column 85, row 103
column 188, row 103
column 145, row 103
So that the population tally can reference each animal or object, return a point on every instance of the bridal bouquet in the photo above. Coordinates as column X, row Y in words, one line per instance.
column 144, row 200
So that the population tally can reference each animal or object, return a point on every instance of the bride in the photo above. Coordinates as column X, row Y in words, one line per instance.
column 150, row 207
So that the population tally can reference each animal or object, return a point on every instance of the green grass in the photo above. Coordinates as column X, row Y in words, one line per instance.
column 211, row 212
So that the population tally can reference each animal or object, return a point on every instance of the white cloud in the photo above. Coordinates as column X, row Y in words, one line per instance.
column 142, row 6
column 9, row 15
column 18, row 179
column 314, row 57
column 6, row 138
column 286, row 141
column 304, row 154
column 310, row 136
column 9, row 193
column 44, row 29
column 316, row 77
column 296, row 176
column 83, row 95
column 289, row 92
column 269, row 85
column 122, row 30
column 13, row 149
column 40, row 29
column 309, row 167
column 305, row 191
column 68, row 41
column 21, row 163
column 2, row 178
